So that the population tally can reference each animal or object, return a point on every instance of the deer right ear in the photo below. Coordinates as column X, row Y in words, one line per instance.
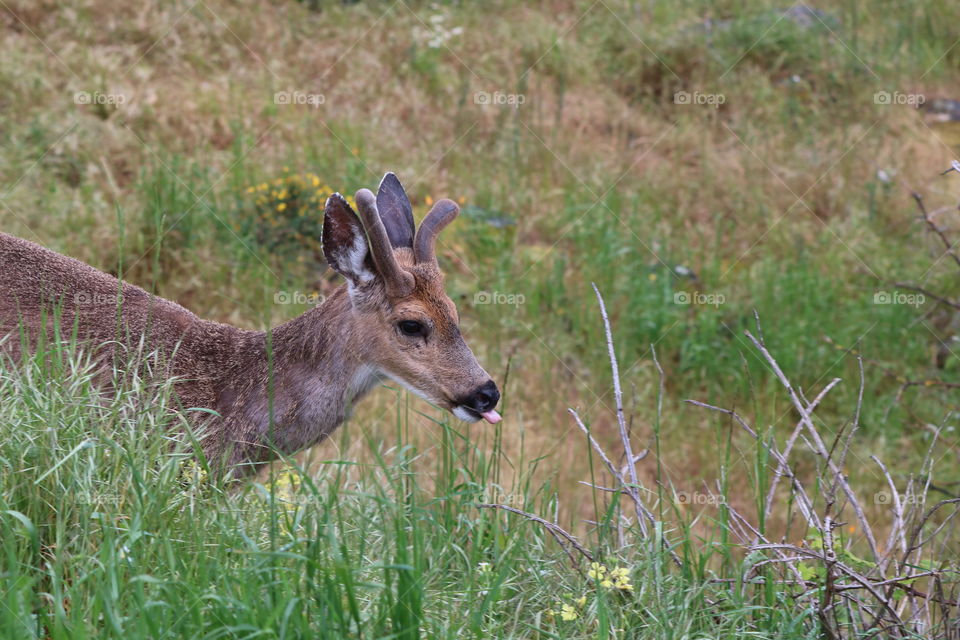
column 345, row 242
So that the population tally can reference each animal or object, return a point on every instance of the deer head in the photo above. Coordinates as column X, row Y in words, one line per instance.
column 409, row 327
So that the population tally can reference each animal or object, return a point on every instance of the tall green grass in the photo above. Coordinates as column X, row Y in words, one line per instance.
column 111, row 528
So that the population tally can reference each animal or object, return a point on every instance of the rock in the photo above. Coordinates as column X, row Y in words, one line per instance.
column 943, row 110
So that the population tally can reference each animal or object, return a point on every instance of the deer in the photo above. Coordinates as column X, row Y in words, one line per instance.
column 276, row 392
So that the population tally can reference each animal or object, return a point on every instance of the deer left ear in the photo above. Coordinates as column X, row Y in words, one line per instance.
column 395, row 211
column 345, row 245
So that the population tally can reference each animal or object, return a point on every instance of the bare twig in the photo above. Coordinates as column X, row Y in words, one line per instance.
column 933, row 227
column 856, row 415
column 788, row 448
column 928, row 293
column 617, row 391
column 804, row 502
column 820, row 447
column 897, row 530
column 555, row 529
column 631, row 489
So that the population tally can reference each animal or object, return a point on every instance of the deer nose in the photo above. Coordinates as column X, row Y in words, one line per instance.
column 485, row 398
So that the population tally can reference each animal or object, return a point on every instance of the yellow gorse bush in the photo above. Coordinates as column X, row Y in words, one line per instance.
column 286, row 214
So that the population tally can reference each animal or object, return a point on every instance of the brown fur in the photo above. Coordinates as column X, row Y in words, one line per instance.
column 322, row 361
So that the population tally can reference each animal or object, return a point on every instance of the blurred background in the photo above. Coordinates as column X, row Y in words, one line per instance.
column 697, row 161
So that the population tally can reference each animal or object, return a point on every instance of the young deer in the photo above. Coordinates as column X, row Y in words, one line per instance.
column 392, row 319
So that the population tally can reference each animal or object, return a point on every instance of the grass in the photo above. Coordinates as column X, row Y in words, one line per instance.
column 108, row 533
column 771, row 202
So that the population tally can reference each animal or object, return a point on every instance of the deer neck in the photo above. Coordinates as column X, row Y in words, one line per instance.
column 310, row 370
column 327, row 343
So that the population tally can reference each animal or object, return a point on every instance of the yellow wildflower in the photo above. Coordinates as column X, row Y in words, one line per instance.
column 195, row 472
column 596, row 571
column 428, row 200
column 281, row 206
column 567, row 612
column 619, row 578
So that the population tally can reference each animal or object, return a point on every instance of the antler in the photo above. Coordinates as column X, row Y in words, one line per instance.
column 398, row 281
column 442, row 214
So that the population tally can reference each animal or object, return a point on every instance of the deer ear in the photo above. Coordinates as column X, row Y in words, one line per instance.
column 345, row 242
column 395, row 211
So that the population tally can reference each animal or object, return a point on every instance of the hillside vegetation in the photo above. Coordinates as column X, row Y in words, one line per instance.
column 704, row 164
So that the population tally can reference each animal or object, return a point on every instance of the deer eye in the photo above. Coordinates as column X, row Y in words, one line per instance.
column 410, row 328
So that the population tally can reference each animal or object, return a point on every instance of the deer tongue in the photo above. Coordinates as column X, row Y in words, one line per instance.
column 491, row 416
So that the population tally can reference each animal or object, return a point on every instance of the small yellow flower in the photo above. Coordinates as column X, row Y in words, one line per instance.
column 281, row 206
column 619, row 578
column 250, row 189
column 195, row 472
column 284, row 485
column 428, row 200
column 462, row 199
column 596, row 571
column 315, row 182
column 652, row 277
column 582, row 600
column 567, row 612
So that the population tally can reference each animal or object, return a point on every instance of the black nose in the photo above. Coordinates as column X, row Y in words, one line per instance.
column 485, row 397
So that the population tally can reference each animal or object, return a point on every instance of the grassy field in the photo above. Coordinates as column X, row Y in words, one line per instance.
column 699, row 162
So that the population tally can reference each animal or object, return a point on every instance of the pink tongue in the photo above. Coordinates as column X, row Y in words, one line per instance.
column 491, row 416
